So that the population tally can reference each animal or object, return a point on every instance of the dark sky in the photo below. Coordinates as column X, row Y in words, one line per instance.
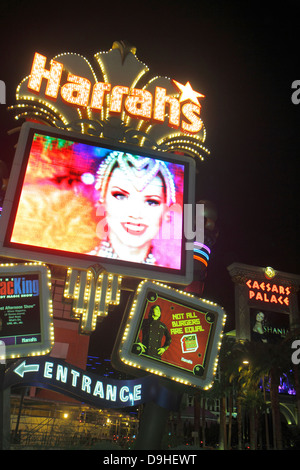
column 243, row 56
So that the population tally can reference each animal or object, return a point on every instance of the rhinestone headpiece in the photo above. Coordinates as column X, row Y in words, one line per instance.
column 140, row 171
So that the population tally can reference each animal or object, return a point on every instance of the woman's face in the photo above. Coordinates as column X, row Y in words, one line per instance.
column 260, row 316
column 133, row 216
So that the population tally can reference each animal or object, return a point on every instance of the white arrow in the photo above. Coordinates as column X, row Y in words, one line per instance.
column 22, row 368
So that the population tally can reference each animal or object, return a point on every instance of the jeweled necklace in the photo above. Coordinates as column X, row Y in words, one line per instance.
column 105, row 250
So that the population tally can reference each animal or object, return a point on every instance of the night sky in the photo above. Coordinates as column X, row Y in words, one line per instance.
column 244, row 57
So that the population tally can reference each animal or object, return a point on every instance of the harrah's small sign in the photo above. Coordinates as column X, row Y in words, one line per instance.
column 183, row 113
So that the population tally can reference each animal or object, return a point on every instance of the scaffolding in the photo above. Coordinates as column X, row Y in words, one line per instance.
column 64, row 425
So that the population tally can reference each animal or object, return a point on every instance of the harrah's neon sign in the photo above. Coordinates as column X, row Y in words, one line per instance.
column 137, row 103
column 268, row 293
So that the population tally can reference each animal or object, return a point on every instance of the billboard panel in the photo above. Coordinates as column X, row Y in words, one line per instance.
column 75, row 201
column 267, row 326
column 172, row 334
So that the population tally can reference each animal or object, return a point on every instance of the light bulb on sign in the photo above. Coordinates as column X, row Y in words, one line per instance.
column 269, row 272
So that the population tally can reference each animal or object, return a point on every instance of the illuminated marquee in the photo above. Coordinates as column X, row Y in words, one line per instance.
column 92, row 293
column 268, row 292
column 138, row 103
column 26, row 317
column 99, row 391
column 172, row 334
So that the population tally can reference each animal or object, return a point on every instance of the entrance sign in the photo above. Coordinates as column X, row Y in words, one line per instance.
column 98, row 391
column 74, row 200
column 26, row 325
column 172, row 334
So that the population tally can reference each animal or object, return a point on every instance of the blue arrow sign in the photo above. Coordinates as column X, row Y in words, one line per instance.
column 22, row 368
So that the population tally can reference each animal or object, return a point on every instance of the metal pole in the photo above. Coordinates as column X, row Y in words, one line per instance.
column 155, row 415
column 19, row 414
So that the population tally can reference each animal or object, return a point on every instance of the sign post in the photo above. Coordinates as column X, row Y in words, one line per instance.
column 26, row 323
column 155, row 415
column 152, row 427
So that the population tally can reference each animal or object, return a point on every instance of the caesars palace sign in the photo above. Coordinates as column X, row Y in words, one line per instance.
column 138, row 103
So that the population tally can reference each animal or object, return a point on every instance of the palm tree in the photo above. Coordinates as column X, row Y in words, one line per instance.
column 269, row 360
column 200, row 399
column 253, row 400
column 266, row 361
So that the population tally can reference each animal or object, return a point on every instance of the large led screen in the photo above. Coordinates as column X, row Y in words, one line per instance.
column 80, row 201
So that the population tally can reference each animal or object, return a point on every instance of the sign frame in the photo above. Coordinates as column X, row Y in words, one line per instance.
column 124, row 356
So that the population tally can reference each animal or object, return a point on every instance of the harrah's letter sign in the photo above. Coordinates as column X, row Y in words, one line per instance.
column 138, row 103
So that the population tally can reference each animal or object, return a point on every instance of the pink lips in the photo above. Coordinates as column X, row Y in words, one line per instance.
column 134, row 229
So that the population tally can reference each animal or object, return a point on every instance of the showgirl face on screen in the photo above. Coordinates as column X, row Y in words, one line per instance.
column 137, row 197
